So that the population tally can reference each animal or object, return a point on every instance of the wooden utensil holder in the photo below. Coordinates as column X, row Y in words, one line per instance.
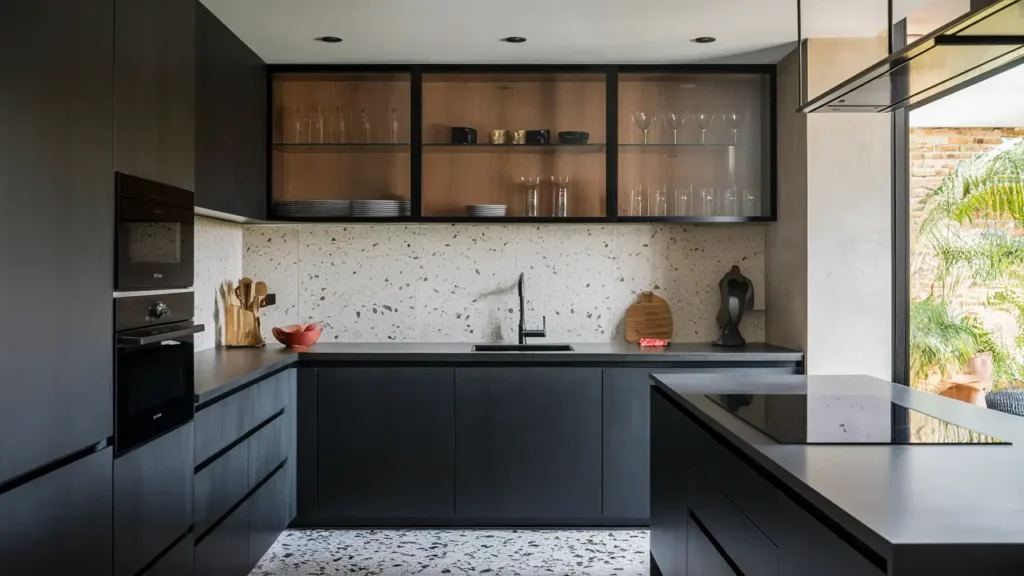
column 242, row 327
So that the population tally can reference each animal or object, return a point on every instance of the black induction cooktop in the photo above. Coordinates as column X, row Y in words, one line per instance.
column 844, row 419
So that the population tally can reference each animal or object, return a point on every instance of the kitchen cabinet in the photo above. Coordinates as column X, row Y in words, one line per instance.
column 152, row 499
column 669, row 520
column 268, row 515
column 808, row 548
column 385, row 444
column 225, row 550
column 220, row 485
column 178, row 561
column 528, row 444
column 154, row 83
column 231, row 122
column 60, row 523
column 702, row 558
column 56, row 228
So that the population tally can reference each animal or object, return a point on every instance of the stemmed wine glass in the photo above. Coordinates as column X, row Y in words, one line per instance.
column 393, row 124
column 643, row 121
column 703, row 120
column 365, row 120
column 674, row 121
column 734, row 119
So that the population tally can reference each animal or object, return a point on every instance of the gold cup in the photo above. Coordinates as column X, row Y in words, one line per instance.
column 519, row 137
column 499, row 136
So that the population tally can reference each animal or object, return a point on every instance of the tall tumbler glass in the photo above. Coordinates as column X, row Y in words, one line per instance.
column 659, row 203
column 639, row 201
column 708, row 201
column 561, row 195
column 683, row 201
column 751, row 203
column 531, row 195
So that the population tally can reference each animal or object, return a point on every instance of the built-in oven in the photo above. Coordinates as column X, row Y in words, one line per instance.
column 154, row 235
column 153, row 383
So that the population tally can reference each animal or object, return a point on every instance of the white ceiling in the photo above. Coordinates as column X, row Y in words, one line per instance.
column 994, row 103
column 468, row 31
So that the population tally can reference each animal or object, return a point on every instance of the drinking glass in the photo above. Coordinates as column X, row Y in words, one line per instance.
column 659, row 204
column 708, row 201
column 751, row 202
column 643, row 121
column 703, row 120
column 318, row 126
column 731, row 202
column 561, row 195
column 365, row 121
column 639, row 201
column 531, row 187
column 303, row 129
column 337, row 126
column 674, row 121
column 393, row 124
column 733, row 121
column 683, row 201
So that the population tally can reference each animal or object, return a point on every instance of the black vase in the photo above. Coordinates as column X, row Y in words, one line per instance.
column 737, row 297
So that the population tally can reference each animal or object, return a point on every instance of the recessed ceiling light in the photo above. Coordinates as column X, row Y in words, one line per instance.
column 514, row 39
column 329, row 39
column 704, row 39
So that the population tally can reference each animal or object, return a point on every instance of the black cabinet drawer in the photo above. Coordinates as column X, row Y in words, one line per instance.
column 152, row 499
column 177, row 561
column 807, row 548
column 746, row 546
column 268, row 515
column 702, row 558
column 739, row 482
column 267, row 448
column 268, row 397
column 225, row 551
column 221, row 424
column 220, row 486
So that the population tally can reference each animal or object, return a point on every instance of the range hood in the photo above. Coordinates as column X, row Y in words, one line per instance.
column 959, row 54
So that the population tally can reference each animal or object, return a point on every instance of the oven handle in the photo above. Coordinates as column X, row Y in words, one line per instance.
column 159, row 337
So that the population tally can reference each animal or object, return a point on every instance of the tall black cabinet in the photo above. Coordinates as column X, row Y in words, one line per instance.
column 56, row 231
column 155, row 84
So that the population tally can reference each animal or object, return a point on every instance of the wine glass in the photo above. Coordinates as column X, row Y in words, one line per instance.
column 303, row 128
column 674, row 121
column 643, row 121
column 733, row 121
column 393, row 124
column 703, row 120
column 338, row 125
column 683, row 202
column 365, row 120
column 318, row 126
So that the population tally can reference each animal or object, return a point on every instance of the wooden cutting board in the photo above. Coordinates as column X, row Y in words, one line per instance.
column 650, row 317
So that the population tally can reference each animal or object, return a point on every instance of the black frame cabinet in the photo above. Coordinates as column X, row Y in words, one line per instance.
column 386, row 444
column 56, row 229
column 231, row 121
column 528, row 444
column 155, row 80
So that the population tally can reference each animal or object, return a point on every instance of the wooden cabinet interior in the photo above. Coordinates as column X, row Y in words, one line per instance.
column 325, row 162
column 722, row 159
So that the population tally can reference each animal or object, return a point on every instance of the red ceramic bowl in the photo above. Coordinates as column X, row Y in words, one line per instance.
column 298, row 335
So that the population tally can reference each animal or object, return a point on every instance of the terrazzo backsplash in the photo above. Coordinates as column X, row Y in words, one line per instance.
column 445, row 283
column 218, row 258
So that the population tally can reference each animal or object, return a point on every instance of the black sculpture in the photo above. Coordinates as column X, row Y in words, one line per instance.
column 737, row 297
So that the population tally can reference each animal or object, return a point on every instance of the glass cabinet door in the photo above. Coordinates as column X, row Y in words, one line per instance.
column 341, row 145
column 514, row 145
column 694, row 145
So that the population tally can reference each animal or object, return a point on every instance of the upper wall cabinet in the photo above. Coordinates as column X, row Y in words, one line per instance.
column 231, row 122
column 154, row 83
column 524, row 143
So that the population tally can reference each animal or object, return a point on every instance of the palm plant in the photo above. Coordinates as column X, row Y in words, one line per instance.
column 941, row 338
column 988, row 187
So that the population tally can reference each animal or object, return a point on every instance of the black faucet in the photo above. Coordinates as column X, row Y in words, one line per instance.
column 523, row 332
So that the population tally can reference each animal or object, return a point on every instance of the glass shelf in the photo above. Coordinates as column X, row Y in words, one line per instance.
column 683, row 145
column 514, row 148
column 342, row 147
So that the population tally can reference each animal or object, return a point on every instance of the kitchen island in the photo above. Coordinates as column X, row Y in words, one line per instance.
column 727, row 498
column 418, row 434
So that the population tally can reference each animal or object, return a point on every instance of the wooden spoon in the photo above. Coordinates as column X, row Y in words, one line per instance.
column 245, row 285
column 261, row 293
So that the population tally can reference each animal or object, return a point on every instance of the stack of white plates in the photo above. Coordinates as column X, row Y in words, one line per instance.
column 486, row 210
column 313, row 208
column 406, row 207
column 376, row 208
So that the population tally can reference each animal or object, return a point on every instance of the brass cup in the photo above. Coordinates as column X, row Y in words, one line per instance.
column 519, row 137
column 499, row 136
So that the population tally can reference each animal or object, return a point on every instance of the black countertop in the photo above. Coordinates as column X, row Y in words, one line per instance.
column 220, row 370
column 891, row 497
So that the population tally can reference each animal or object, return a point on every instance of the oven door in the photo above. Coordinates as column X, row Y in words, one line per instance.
column 154, row 236
column 154, row 385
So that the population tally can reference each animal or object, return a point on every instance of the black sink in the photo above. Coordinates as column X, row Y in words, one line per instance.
column 522, row 348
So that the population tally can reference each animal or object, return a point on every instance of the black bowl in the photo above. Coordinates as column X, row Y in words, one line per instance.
column 463, row 135
column 573, row 137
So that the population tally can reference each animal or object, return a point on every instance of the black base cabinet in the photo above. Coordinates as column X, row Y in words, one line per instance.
column 669, row 514
column 225, row 550
column 703, row 559
column 528, row 444
column 178, row 561
column 268, row 514
column 60, row 523
column 385, row 441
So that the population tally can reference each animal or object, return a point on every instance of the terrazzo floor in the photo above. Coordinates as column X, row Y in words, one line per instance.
column 459, row 552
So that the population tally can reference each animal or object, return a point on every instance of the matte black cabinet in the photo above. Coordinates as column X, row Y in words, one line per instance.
column 385, row 444
column 669, row 513
column 231, row 121
column 225, row 550
column 178, row 561
column 268, row 515
column 528, row 443
column 703, row 558
column 56, row 227
column 60, row 523
column 155, row 80
column 807, row 548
